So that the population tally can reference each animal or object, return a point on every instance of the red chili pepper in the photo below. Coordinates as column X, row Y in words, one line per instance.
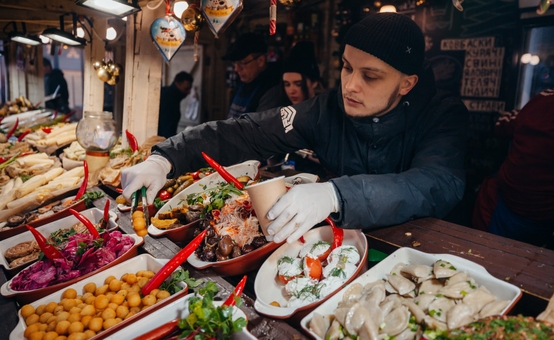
column 106, row 216
column 236, row 293
column 26, row 153
column 55, row 114
column 21, row 136
column 47, row 129
column 2, row 118
column 83, row 187
column 68, row 115
column 338, row 233
column 133, row 144
column 164, row 195
column 175, row 262
column 221, row 170
column 161, row 332
column 90, row 226
column 49, row 250
column 12, row 130
column 195, row 175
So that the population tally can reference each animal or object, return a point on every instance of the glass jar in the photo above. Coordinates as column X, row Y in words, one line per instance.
column 96, row 131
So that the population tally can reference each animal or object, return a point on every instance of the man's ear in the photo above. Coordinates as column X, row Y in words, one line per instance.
column 407, row 83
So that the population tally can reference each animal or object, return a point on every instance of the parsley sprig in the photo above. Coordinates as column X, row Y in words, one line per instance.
column 207, row 320
column 217, row 196
column 181, row 275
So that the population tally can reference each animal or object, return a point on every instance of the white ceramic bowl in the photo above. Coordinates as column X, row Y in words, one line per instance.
column 268, row 288
column 26, row 296
column 176, row 309
column 93, row 214
column 501, row 289
column 141, row 262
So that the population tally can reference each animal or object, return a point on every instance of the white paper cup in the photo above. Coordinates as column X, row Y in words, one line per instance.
column 263, row 196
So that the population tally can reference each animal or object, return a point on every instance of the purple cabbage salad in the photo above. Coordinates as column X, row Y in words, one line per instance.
column 82, row 255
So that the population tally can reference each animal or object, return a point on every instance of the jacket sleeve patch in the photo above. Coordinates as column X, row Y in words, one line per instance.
column 287, row 116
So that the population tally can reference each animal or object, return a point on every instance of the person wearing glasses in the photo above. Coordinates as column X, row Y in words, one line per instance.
column 249, row 56
column 396, row 142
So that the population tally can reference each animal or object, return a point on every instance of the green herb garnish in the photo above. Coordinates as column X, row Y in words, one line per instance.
column 285, row 259
column 207, row 320
column 81, row 248
column 181, row 275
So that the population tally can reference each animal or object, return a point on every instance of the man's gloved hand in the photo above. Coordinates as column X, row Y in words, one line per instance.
column 151, row 173
column 300, row 209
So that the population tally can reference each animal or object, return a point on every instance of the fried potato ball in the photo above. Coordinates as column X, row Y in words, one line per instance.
column 27, row 310
column 69, row 293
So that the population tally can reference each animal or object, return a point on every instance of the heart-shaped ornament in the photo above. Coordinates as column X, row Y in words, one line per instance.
column 168, row 35
column 220, row 13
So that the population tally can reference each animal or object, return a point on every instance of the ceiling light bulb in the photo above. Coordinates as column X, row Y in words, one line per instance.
column 45, row 40
column 387, row 8
column 80, row 32
column 526, row 58
column 111, row 33
column 535, row 60
column 179, row 7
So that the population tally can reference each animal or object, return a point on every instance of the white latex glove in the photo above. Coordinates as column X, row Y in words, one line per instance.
column 304, row 206
column 151, row 173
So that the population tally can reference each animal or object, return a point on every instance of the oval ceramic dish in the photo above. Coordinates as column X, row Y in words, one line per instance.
column 501, row 289
column 94, row 215
column 269, row 289
column 185, row 232
column 141, row 262
column 79, row 206
column 176, row 309
column 238, row 265
column 27, row 296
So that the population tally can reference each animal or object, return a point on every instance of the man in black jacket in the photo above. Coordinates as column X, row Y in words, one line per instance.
column 54, row 83
column 170, row 103
column 396, row 143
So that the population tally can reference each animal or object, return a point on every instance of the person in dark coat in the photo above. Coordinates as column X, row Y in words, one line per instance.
column 249, row 56
column 170, row 103
column 54, row 82
column 396, row 143
column 518, row 201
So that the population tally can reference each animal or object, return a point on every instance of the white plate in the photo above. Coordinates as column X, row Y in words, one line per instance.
column 176, row 309
column 268, row 288
column 94, row 215
column 501, row 289
column 141, row 262
column 248, row 168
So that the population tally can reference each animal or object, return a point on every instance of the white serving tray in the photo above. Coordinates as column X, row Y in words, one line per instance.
column 176, row 309
column 248, row 168
column 141, row 262
column 93, row 214
column 499, row 288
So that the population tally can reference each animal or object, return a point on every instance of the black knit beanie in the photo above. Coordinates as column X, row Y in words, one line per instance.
column 302, row 60
column 394, row 38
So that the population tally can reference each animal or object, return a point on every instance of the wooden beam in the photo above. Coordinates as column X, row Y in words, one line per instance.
column 93, row 89
column 143, row 76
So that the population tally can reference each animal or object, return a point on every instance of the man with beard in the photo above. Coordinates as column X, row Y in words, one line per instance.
column 396, row 143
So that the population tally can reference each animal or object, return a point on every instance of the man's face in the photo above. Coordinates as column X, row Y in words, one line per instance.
column 371, row 87
column 184, row 86
column 250, row 67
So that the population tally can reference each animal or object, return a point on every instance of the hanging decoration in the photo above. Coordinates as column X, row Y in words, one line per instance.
column 108, row 72
column 168, row 34
column 193, row 20
column 289, row 3
column 458, row 4
column 220, row 13
column 272, row 17
column 543, row 6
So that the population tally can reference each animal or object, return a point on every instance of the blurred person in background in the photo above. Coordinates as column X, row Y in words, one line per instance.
column 249, row 56
column 170, row 103
column 518, row 201
column 55, row 83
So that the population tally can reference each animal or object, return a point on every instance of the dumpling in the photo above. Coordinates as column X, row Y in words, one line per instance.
column 418, row 272
column 423, row 301
column 460, row 276
column 493, row 308
column 320, row 324
column 375, row 296
column 396, row 321
column 334, row 332
column 479, row 298
column 433, row 323
column 353, row 292
column 460, row 315
column 416, row 311
column 444, row 269
column 401, row 284
column 458, row 290
column 439, row 307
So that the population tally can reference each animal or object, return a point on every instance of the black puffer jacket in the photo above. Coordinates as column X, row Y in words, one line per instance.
column 405, row 164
